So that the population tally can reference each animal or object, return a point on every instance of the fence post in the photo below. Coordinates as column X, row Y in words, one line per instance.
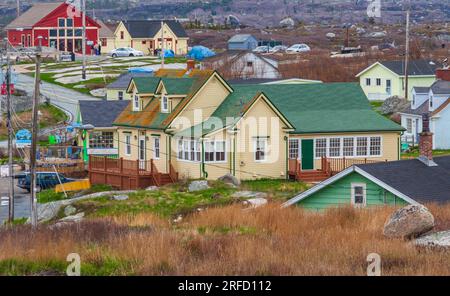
column 121, row 165
column 104, row 163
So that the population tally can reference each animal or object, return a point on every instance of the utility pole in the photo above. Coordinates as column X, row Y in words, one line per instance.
column 83, row 17
column 34, row 132
column 162, row 44
column 10, row 135
column 18, row 8
column 407, row 51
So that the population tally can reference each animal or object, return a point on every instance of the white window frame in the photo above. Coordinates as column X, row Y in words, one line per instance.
column 255, row 145
column 184, row 147
column 409, row 124
column 291, row 149
column 120, row 95
column 353, row 195
column 215, row 151
column 355, row 142
column 156, row 148
column 378, row 81
column 165, row 104
column 368, row 82
column 136, row 103
column 128, row 144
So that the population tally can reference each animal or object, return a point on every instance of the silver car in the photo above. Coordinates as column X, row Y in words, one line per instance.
column 126, row 52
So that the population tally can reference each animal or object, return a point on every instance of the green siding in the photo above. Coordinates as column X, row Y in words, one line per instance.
column 339, row 194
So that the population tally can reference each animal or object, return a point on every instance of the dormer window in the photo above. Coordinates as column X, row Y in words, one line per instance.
column 164, row 104
column 136, row 103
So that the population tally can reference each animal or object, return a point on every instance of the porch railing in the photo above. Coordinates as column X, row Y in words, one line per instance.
column 336, row 165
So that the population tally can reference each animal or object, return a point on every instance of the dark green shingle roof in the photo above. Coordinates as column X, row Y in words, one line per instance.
column 146, row 85
column 178, row 86
column 311, row 108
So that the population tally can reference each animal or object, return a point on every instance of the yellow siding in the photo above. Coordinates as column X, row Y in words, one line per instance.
column 126, row 41
column 110, row 45
column 268, row 125
column 178, row 45
column 203, row 105
column 113, row 94
column 397, row 83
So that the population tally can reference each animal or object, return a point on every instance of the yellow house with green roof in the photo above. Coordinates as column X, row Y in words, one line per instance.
column 200, row 126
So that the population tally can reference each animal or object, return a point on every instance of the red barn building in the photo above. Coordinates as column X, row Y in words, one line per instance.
column 60, row 25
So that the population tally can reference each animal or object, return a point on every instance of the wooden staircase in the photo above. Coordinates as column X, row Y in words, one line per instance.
column 309, row 176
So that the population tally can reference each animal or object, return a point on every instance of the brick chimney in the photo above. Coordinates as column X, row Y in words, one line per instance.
column 426, row 142
column 443, row 74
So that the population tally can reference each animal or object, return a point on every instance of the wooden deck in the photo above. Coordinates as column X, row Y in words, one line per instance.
column 328, row 168
column 128, row 174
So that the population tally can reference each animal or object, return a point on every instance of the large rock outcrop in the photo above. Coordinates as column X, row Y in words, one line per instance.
column 409, row 222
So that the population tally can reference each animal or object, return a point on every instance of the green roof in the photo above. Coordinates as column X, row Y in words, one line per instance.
column 146, row 85
column 178, row 86
column 311, row 108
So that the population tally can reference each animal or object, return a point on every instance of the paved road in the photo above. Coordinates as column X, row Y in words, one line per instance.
column 21, row 204
column 62, row 97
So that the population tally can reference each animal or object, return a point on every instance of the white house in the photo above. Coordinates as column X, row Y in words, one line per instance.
column 434, row 101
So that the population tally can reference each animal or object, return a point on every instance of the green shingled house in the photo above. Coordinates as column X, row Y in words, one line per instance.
column 200, row 126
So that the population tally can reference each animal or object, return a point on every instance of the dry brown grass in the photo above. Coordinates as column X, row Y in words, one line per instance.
column 229, row 241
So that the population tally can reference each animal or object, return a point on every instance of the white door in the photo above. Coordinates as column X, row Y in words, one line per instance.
column 142, row 162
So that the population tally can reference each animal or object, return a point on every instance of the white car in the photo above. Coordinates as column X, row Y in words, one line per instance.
column 262, row 49
column 279, row 48
column 126, row 52
column 296, row 48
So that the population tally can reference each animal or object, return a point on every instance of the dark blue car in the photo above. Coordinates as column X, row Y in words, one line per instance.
column 44, row 180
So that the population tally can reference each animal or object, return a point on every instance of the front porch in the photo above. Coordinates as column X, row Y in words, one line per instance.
column 328, row 167
column 128, row 174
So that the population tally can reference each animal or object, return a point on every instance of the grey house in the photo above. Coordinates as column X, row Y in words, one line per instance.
column 242, row 42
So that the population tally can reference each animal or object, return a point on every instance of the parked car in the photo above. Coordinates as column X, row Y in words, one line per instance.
column 126, row 52
column 44, row 180
column 279, row 48
column 262, row 49
column 296, row 48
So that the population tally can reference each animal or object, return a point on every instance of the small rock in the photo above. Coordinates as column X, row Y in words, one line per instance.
column 198, row 185
column 178, row 219
column 216, row 195
column 120, row 197
column 255, row 202
column 249, row 194
column 152, row 188
column 100, row 92
column 230, row 179
column 75, row 218
column 438, row 240
column 408, row 222
column 69, row 210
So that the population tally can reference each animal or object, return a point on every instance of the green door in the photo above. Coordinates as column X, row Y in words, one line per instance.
column 307, row 154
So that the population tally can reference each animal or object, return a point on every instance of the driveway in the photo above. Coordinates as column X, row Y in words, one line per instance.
column 21, row 204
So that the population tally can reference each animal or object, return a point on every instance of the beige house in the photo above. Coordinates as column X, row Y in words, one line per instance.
column 106, row 37
column 146, row 36
column 199, row 126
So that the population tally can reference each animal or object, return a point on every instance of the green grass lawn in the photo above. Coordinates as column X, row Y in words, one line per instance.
column 174, row 199
column 167, row 201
